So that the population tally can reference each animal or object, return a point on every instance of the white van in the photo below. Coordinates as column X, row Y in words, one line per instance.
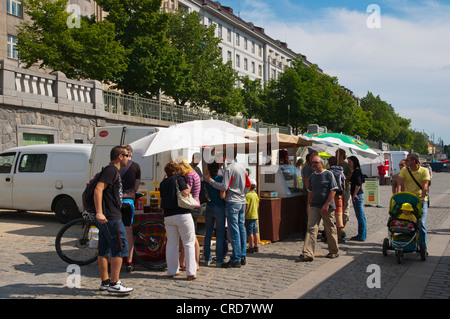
column 50, row 177
column 109, row 136
column 152, row 167
column 396, row 157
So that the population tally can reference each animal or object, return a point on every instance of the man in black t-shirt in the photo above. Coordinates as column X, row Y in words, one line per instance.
column 112, row 235
column 131, row 180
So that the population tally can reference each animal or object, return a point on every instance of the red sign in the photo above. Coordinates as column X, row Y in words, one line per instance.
column 103, row 134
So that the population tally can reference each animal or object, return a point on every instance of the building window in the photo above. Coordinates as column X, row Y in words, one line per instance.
column 238, row 61
column 12, row 48
column 228, row 56
column 245, row 44
column 238, row 39
column 229, row 35
column 14, row 7
column 245, row 64
column 253, row 47
column 260, row 70
column 219, row 31
column 259, row 50
column 253, row 68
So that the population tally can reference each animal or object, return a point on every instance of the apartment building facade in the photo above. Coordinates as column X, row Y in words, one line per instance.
column 252, row 52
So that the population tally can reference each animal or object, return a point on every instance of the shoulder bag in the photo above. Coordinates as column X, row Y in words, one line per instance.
column 188, row 202
column 410, row 173
column 418, row 184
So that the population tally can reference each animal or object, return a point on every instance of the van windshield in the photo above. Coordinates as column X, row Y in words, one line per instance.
column 6, row 162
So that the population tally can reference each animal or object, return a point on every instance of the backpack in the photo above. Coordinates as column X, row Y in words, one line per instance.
column 337, row 172
column 88, row 194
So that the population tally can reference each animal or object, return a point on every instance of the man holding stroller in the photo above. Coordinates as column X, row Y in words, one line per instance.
column 415, row 179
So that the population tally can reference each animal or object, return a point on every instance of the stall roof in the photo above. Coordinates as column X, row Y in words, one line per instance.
column 284, row 140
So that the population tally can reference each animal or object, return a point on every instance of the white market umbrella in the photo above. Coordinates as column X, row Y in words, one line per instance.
column 192, row 134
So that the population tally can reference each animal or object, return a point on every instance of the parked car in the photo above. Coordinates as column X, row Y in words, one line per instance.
column 437, row 166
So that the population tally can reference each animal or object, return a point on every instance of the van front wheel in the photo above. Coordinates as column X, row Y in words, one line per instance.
column 66, row 209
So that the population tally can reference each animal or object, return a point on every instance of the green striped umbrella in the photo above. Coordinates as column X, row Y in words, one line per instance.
column 331, row 142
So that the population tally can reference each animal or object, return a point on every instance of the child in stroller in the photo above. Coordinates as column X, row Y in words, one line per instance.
column 405, row 213
column 405, row 220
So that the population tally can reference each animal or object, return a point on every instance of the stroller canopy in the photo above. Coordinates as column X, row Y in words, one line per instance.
column 397, row 200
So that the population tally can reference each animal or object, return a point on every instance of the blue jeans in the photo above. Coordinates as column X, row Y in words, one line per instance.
column 423, row 224
column 236, row 224
column 112, row 239
column 214, row 214
column 358, row 205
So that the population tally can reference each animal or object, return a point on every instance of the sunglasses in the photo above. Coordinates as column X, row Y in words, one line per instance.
column 126, row 155
column 316, row 162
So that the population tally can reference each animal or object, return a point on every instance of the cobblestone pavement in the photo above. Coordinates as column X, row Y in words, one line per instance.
column 30, row 267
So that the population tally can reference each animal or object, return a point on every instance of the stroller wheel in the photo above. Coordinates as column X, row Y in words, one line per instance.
column 386, row 246
column 423, row 252
column 399, row 255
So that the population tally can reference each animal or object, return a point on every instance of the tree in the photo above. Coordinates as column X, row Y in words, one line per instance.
column 419, row 143
column 252, row 92
column 141, row 29
column 302, row 96
column 203, row 78
column 84, row 50
column 385, row 123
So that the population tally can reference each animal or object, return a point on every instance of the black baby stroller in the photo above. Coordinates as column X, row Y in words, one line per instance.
column 404, row 233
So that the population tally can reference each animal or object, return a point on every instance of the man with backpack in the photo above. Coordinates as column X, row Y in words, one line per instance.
column 338, row 172
column 112, row 234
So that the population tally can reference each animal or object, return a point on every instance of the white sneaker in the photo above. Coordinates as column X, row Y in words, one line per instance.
column 119, row 288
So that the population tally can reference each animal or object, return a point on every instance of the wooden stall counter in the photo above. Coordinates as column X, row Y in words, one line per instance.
column 281, row 217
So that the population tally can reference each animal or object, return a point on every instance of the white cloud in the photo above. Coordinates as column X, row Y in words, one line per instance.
column 406, row 61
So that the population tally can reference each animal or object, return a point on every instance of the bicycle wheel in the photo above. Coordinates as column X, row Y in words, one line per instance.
column 75, row 243
column 150, row 244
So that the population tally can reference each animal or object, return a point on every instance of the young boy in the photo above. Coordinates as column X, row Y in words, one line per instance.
column 251, row 218
column 407, row 214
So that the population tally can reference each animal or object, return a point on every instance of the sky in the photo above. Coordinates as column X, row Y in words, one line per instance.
column 396, row 49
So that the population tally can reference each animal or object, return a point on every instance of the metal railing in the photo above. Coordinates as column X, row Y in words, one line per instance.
column 134, row 105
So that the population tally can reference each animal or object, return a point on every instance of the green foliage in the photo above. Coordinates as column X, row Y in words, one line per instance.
column 141, row 29
column 388, row 126
column 204, row 79
column 80, row 49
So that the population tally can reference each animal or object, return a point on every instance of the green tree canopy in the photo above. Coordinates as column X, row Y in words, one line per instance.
column 141, row 29
column 204, row 79
column 80, row 48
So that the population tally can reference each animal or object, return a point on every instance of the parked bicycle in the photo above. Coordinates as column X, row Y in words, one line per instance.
column 76, row 242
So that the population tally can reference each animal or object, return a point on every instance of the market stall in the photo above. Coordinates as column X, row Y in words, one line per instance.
column 282, row 209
